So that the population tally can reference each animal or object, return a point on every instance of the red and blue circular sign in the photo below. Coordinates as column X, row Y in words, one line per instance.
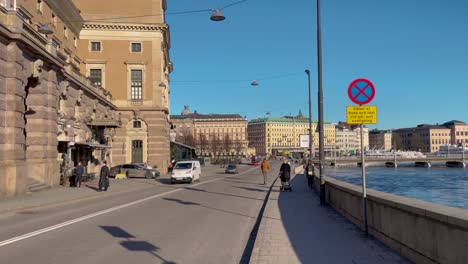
column 361, row 91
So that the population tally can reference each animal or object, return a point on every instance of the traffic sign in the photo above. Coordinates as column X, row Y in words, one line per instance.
column 361, row 114
column 361, row 91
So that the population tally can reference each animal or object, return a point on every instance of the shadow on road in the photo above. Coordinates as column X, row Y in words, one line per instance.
column 207, row 207
column 134, row 245
column 224, row 194
column 251, row 189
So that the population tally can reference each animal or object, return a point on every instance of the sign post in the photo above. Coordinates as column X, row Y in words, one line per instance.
column 362, row 91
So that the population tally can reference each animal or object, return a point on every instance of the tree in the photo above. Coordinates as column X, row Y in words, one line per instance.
column 227, row 144
column 202, row 144
column 238, row 146
column 187, row 137
column 215, row 146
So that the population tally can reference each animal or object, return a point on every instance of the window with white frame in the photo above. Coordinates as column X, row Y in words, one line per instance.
column 96, row 46
column 135, row 47
column 75, row 41
column 65, row 32
column 54, row 20
column 95, row 76
column 136, row 84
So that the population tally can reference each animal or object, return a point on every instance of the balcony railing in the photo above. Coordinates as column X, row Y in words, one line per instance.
column 136, row 101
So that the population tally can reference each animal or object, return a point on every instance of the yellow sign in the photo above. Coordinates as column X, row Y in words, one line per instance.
column 361, row 114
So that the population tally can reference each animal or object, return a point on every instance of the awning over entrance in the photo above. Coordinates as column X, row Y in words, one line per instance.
column 105, row 123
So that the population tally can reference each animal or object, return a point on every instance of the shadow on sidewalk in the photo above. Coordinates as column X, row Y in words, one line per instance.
column 321, row 235
column 92, row 187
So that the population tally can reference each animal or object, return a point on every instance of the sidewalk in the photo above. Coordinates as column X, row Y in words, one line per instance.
column 61, row 195
column 296, row 229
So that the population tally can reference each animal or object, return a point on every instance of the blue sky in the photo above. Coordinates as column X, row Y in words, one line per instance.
column 414, row 51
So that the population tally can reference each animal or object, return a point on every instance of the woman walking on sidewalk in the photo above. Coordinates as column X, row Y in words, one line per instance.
column 265, row 168
column 104, row 177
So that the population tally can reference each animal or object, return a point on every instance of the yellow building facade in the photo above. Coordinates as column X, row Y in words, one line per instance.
column 275, row 135
column 125, row 49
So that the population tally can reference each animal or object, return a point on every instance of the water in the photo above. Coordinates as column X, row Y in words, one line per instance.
column 441, row 185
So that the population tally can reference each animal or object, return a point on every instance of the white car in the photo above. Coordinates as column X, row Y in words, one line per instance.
column 186, row 171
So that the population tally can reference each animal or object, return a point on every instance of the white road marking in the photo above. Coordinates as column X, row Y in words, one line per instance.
column 70, row 222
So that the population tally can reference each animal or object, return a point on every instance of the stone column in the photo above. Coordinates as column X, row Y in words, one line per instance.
column 41, row 128
column 158, row 138
column 12, row 157
column 119, row 147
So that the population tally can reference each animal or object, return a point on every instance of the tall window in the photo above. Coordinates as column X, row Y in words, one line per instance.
column 137, row 85
column 65, row 32
column 95, row 75
column 54, row 20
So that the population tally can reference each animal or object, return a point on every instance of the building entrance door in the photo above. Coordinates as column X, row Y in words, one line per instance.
column 137, row 151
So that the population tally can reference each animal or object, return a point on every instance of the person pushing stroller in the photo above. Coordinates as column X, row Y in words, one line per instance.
column 285, row 176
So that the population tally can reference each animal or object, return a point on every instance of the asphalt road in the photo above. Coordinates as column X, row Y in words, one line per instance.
column 206, row 222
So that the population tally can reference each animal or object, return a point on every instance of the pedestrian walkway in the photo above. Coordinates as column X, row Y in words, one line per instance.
column 296, row 229
column 60, row 195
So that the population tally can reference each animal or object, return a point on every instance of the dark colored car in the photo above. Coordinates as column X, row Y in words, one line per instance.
column 135, row 170
column 231, row 169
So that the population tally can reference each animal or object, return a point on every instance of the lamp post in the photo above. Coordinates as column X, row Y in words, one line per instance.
column 310, row 116
column 320, row 106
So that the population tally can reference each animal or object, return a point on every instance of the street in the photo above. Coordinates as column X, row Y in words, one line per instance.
column 206, row 222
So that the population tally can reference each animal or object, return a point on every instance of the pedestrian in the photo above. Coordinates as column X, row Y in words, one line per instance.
column 285, row 171
column 104, row 177
column 265, row 168
column 309, row 171
column 79, row 171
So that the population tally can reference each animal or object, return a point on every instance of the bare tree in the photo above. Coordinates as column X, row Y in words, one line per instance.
column 187, row 137
column 238, row 146
column 227, row 144
column 202, row 144
column 215, row 145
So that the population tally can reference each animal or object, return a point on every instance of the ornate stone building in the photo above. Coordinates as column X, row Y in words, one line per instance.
column 49, row 112
column 213, row 134
column 126, row 50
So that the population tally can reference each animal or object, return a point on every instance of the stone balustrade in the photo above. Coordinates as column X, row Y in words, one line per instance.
column 421, row 231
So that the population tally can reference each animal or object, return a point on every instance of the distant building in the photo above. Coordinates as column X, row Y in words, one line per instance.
column 424, row 138
column 346, row 141
column 278, row 135
column 357, row 131
column 213, row 134
column 458, row 132
column 380, row 139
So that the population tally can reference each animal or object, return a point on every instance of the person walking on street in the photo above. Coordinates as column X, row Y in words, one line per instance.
column 265, row 168
column 104, row 177
column 79, row 171
column 285, row 171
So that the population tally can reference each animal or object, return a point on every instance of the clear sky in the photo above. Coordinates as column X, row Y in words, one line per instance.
column 414, row 51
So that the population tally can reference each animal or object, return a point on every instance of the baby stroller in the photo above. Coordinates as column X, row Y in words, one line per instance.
column 285, row 184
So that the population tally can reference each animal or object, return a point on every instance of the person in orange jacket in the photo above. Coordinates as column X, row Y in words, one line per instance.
column 265, row 168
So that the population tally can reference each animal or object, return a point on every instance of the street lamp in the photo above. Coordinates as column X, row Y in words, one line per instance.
column 320, row 106
column 310, row 116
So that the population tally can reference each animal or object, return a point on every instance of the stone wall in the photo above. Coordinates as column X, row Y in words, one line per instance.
column 421, row 231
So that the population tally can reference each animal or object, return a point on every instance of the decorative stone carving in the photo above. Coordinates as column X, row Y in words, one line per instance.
column 63, row 89
column 37, row 68
column 136, row 114
column 95, row 104
column 79, row 98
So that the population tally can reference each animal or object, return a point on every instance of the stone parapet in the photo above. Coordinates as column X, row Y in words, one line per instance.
column 421, row 231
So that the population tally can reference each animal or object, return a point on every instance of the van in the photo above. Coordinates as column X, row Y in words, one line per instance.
column 186, row 171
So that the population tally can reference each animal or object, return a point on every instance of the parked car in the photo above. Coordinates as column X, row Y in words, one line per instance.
column 231, row 169
column 135, row 170
column 186, row 171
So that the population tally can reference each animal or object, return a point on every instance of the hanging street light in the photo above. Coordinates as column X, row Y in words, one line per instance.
column 217, row 16
column 254, row 83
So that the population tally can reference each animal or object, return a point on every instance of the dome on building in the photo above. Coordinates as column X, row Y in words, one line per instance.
column 186, row 110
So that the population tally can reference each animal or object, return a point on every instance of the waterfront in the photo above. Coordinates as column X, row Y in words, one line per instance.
column 441, row 185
